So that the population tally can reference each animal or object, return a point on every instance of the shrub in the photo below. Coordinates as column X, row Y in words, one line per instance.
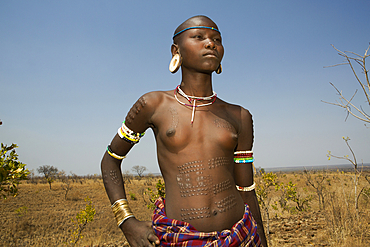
column 80, row 221
column 12, row 172
column 153, row 196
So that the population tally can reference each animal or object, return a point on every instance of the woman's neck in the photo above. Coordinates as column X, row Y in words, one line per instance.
column 199, row 84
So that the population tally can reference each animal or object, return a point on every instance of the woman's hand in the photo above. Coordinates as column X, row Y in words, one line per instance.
column 139, row 233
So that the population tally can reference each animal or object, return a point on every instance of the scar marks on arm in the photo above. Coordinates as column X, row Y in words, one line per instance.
column 114, row 177
column 105, row 176
column 111, row 176
column 135, row 109
column 175, row 121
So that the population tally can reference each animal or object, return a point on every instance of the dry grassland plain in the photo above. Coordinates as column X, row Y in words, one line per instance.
column 39, row 216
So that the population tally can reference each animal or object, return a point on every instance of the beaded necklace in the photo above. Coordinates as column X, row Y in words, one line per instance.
column 193, row 99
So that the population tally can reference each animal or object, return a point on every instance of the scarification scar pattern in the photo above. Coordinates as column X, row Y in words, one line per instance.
column 135, row 109
column 174, row 123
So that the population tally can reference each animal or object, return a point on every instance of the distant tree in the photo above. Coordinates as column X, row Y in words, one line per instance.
column 75, row 178
column 317, row 182
column 12, row 172
column 357, row 171
column 139, row 170
column 66, row 183
column 50, row 173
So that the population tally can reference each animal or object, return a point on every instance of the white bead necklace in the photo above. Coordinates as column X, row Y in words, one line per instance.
column 194, row 99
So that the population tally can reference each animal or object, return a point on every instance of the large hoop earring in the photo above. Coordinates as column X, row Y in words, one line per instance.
column 219, row 69
column 175, row 63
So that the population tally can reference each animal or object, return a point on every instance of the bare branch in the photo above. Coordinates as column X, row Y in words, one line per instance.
column 346, row 104
column 354, row 53
column 365, row 112
column 360, row 61
column 353, row 154
column 335, row 65
column 342, row 158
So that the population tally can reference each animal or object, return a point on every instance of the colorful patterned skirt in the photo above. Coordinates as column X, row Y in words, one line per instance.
column 178, row 233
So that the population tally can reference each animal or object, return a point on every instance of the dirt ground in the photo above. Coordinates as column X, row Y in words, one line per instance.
column 39, row 216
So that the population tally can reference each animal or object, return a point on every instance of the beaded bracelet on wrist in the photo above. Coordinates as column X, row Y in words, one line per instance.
column 243, row 157
column 249, row 188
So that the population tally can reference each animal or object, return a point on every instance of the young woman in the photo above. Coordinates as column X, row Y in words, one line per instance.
column 204, row 153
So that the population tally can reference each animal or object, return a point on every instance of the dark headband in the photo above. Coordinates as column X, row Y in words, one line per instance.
column 212, row 28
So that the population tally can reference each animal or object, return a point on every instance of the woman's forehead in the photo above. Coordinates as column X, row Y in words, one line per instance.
column 199, row 29
column 196, row 23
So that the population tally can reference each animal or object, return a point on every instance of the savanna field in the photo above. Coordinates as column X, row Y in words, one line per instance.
column 317, row 208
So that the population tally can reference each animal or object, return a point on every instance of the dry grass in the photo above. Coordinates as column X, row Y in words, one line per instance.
column 47, row 221
column 42, row 217
column 335, row 225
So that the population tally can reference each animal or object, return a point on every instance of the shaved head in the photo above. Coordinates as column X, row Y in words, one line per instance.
column 199, row 20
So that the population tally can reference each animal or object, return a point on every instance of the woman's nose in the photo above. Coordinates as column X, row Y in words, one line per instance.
column 210, row 44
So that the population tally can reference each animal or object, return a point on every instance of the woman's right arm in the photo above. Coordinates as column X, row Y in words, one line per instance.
column 138, row 120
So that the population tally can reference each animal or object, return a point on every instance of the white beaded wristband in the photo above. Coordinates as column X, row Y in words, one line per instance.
column 250, row 188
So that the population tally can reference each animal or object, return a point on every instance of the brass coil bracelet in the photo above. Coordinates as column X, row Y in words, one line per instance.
column 121, row 211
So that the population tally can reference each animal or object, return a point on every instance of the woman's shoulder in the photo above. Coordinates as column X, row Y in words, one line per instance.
column 156, row 96
column 236, row 110
column 144, row 108
column 153, row 99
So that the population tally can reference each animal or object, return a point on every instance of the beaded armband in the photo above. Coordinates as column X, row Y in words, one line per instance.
column 116, row 156
column 121, row 211
column 128, row 135
column 249, row 188
column 243, row 157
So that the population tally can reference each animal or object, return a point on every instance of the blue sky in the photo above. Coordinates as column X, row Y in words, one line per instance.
column 71, row 70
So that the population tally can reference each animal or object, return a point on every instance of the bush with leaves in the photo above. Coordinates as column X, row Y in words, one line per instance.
column 81, row 220
column 153, row 196
column 21, row 211
column 264, row 188
column 290, row 193
column 12, row 171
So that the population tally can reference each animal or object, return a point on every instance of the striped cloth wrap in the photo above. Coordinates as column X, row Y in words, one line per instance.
column 178, row 233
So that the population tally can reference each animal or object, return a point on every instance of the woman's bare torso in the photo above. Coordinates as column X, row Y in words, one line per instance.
column 196, row 161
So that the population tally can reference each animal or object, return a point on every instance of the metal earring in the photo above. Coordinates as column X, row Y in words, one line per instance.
column 175, row 63
column 219, row 69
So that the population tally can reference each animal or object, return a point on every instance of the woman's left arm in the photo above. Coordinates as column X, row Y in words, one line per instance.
column 243, row 172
